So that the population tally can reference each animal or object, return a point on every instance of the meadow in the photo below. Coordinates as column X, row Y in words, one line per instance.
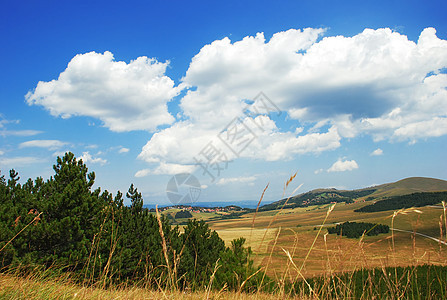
column 294, row 249
column 305, row 262
column 126, row 252
column 297, row 231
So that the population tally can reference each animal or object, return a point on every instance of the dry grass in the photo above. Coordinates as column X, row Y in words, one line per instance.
column 32, row 288
column 340, row 253
column 289, row 244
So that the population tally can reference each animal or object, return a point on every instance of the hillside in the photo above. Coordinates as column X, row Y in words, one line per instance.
column 323, row 196
column 405, row 201
column 410, row 185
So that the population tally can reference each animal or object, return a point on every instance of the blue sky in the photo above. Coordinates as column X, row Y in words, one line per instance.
column 141, row 90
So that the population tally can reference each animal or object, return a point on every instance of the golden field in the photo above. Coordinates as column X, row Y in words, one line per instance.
column 297, row 231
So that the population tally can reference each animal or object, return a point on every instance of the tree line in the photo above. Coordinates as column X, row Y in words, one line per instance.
column 357, row 229
column 64, row 223
column 405, row 201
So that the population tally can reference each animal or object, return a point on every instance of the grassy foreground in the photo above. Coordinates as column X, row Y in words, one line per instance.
column 41, row 286
column 421, row 282
column 298, row 259
column 292, row 259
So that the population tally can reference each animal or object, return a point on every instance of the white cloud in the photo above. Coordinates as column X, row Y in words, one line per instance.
column 166, row 169
column 1, row 152
column 87, row 158
column 185, row 142
column 59, row 153
column 123, row 150
column 377, row 152
column 377, row 83
column 423, row 129
column 273, row 145
column 339, row 79
column 231, row 180
column 143, row 173
column 124, row 96
column 19, row 132
column 178, row 143
column 4, row 121
column 49, row 144
column 14, row 162
column 343, row 165
column 372, row 83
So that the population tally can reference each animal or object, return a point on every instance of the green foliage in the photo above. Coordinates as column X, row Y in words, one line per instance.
column 405, row 201
column 356, row 230
column 205, row 253
column 183, row 214
column 87, row 232
column 63, row 222
column 419, row 282
column 236, row 267
column 202, row 249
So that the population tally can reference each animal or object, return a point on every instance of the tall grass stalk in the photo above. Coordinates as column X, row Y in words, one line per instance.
column 257, row 208
column 282, row 207
column 210, row 284
column 269, row 259
column 444, row 208
column 172, row 283
column 36, row 218
column 331, row 208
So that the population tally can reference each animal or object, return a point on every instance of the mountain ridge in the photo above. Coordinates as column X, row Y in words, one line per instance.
column 401, row 187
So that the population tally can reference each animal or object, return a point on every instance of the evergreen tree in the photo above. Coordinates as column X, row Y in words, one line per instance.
column 236, row 266
column 70, row 210
column 97, row 237
column 203, row 248
column 138, row 244
column 13, row 216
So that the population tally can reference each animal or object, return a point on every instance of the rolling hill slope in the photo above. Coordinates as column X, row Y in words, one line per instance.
column 323, row 196
column 409, row 186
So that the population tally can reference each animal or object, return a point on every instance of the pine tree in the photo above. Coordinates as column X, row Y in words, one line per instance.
column 203, row 248
column 70, row 212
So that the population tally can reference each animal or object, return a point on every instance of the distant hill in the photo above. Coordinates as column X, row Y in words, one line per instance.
column 212, row 204
column 323, row 196
column 409, row 186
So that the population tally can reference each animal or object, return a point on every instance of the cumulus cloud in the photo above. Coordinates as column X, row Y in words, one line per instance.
column 343, row 165
column 123, row 150
column 87, row 158
column 189, row 143
column 377, row 152
column 48, row 144
column 423, row 129
column 166, row 169
column 377, row 82
column 143, row 173
column 339, row 79
column 124, row 96
column 231, row 180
